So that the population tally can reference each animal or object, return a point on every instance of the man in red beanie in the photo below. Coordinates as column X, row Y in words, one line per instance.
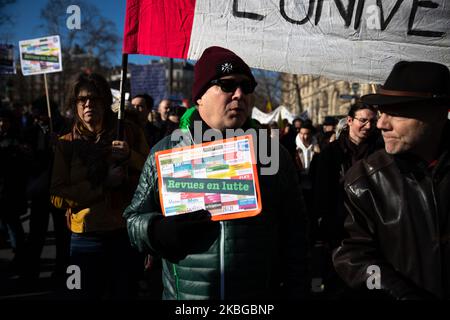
column 218, row 73
column 259, row 257
column 398, row 198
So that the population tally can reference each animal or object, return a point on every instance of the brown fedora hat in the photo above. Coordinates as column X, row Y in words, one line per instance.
column 411, row 82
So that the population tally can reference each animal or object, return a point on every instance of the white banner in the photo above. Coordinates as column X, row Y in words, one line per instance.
column 266, row 118
column 355, row 40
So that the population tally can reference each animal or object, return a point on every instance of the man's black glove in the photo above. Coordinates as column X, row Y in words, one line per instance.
column 177, row 236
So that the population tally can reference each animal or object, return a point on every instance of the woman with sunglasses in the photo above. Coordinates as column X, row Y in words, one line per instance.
column 94, row 176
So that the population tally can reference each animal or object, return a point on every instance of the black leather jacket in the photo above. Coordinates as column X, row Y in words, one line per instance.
column 398, row 220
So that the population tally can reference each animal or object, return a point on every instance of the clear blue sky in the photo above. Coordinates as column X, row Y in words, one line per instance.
column 26, row 19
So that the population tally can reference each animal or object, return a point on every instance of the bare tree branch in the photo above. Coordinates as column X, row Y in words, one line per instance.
column 90, row 48
column 97, row 36
column 4, row 17
column 268, row 89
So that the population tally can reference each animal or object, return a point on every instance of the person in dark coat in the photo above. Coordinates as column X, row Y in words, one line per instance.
column 13, row 178
column 359, row 140
column 327, row 133
column 398, row 198
column 40, row 142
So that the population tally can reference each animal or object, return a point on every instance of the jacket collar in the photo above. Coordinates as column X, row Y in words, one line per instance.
column 187, row 123
column 444, row 154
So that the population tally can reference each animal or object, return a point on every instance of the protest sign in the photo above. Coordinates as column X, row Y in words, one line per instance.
column 219, row 176
column 355, row 40
column 7, row 63
column 150, row 79
column 40, row 56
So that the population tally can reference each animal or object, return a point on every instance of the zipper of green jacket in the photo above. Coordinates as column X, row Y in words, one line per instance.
column 185, row 123
column 222, row 260
column 177, row 285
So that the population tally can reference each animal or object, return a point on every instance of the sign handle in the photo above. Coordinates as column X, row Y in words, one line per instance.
column 49, row 111
column 121, row 113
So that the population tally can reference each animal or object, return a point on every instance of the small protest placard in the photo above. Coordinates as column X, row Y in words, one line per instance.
column 41, row 55
column 220, row 177
column 150, row 79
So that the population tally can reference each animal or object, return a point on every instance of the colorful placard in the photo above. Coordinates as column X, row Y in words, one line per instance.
column 41, row 55
column 220, row 177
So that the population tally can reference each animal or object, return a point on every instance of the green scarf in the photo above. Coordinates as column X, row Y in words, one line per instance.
column 186, row 120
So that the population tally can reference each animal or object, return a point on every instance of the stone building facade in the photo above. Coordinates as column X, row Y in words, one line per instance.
column 320, row 96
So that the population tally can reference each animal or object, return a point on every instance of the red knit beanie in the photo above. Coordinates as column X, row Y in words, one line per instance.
column 215, row 63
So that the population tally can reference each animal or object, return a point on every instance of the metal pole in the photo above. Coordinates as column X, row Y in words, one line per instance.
column 49, row 111
column 170, row 76
column 121, row 112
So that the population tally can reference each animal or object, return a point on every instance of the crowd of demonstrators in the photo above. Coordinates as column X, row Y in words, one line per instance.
column 350, row 222
column 259, row 257
column 27, row 153
column 379, row 191
column 398, row 224
column 94, row 176
column 39, row 138
column 347, row 198
column 13, row 179
column 27, row 162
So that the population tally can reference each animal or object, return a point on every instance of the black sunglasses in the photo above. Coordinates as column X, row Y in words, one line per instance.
column 83, row 99
column 230, row 85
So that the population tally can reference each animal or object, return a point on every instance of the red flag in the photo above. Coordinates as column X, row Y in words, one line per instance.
column 266, row 37
column 159, row 27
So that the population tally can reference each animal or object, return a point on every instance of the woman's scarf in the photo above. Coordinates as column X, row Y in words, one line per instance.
column 94, row 151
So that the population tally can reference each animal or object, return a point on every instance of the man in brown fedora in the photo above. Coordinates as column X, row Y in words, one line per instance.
column 398, row 198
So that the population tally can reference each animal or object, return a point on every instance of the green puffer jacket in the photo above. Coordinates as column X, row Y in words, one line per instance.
column 252, row 258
